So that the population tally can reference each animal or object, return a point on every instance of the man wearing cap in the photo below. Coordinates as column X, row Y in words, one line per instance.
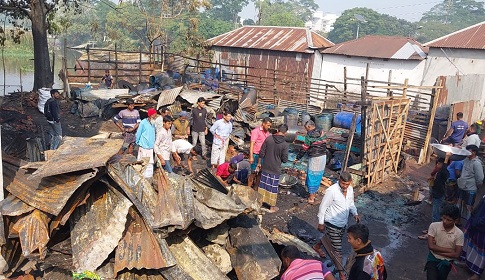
column 199, row 128
column 258, row 135
column 181, row 127
column 53, row 116
column 145, row 139
column 130, row 119
column 471, row 178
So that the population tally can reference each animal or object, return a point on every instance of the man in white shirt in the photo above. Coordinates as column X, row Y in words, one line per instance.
column 163, row 143
column 182, row 146
column 472, row 137
column 333, row 213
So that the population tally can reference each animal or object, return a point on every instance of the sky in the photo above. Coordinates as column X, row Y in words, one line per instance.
column 410, row 10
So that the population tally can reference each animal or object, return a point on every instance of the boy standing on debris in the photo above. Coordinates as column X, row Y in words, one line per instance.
column 199, row 128
column 274, row 151
column 445, row 241
column 145, row 139
column 365, row 262
column 163, row 143
column 130, row 119
column 300, row 269
column 52, row 112
column 258, row 135
column 107, row 79
column 221, row 129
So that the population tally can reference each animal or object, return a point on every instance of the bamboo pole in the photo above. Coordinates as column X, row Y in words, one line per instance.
column 116, row 64
column 139, row 67
column 89, row 63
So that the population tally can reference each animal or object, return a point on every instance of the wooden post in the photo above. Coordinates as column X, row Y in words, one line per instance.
column 405, row 90
column 434, row 103
column 53, row 65
column 345, row 83
column 389, row 79
column 246, row 70
column 89, row 63
column 116, row 63
column 139, row 67
column 363, row 136
column 64, row 70
column 349, row 141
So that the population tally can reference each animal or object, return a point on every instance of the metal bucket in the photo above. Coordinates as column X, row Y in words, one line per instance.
column 324, row 121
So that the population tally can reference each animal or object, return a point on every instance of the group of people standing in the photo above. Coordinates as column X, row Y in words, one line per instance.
column 453, row 191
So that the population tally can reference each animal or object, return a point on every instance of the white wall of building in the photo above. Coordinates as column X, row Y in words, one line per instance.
column 333, row 70
column 321, row 22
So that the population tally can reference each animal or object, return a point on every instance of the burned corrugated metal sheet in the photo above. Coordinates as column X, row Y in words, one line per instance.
column 139, row 248
column 286, row 239
column 291, row 39
column 378, row 46
column 175, row 273
column 78, row 153
column 168, row 212
column 168, row 96
column 253, row 257
column 184, row 194
column 33, row 233
column 73, row 202
column 12, row 206
column 472, row 37
column 140, row 191
column 47, row 194
column 141, row 275
column 192, row 95
column 97, row 228
column 213, row 207
column 192, row 260
column 249, row 197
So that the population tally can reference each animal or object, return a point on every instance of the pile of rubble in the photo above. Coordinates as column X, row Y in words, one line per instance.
column 87, row 214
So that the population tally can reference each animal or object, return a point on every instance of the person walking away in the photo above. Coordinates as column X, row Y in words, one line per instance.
column 471, row 178
column 333, row 214
column 145, row 139
column 107, row 80
column 454, row 135
column 130, row 119
column 181, row 127
column 473, row 252
column 452, row 191
column 221, row 129
column 315, row 147
column 198, row 115
column 297, row 268
column 365, row 262
column 274, row 151
column 52, row 112
column 183, row 147
column 445, row 241
column 163, row 144
column 258, row 135
column 472, row 137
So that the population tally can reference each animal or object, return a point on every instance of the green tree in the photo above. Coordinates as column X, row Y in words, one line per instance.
column 38, row 13
column 209, row 27
column 249, row 21
column 449, row 16
column 285, row 13
column 226, row 10
column 345, row 27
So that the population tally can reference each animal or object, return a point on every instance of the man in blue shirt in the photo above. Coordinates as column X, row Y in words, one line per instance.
column 145, row 139
column 452, row 191
column 454, row 135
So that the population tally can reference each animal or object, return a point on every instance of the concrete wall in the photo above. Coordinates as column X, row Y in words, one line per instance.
column 452, row 62
column 333, row 70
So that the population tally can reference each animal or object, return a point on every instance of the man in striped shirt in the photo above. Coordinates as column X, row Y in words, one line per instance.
column 300, row 269
column 130, row 119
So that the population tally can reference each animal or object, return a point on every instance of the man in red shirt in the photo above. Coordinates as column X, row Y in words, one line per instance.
column 225, row 173
column 258, row 135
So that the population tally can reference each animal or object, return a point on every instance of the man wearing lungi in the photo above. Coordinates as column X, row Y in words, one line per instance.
column 145, row 139
column 273, row 152
column 333, row 213
column 130, row 119
column 258, row 135
column 221, row 129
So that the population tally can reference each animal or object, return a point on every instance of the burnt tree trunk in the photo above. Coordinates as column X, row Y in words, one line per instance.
column 43, row 76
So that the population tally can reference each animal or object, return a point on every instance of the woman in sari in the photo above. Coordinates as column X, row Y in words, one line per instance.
column 316, row 149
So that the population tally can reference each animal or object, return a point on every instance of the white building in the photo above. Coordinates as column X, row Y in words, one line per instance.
column 321, row 22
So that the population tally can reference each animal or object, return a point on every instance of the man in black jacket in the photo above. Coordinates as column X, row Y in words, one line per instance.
column 274, row 151
column 52, row 112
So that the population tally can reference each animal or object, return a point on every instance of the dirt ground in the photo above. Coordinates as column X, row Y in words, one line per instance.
column 394, row 226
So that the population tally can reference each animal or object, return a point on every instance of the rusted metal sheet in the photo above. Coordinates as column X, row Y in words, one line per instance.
column 288, row 39
column 141, row 275
column 192, row 95
column 286, row 239
column 12, row 206
column 184, row 195
column 253, row 257
column 139, row 248
column 78, row 153
column 471, row 110
column 97, row 227
column 74, row 201
column 47, row 194
column 126, row 174
column 33, row 233
column 250, row 198
column 192, row 260
column 472, row 37
column 169, row 212
column 168, row 96
column 213, row 207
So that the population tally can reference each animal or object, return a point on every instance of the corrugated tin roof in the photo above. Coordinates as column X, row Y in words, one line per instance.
column 386, row 47
column 472, row 37
column 290, row 39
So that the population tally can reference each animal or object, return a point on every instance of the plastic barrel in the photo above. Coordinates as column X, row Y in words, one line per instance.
column 305, row 116
column 344, row 120
column 291, row 116
column 324, row 121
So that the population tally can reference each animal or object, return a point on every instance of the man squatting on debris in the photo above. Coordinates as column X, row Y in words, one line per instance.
column 52, row 112
column 130, row 119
